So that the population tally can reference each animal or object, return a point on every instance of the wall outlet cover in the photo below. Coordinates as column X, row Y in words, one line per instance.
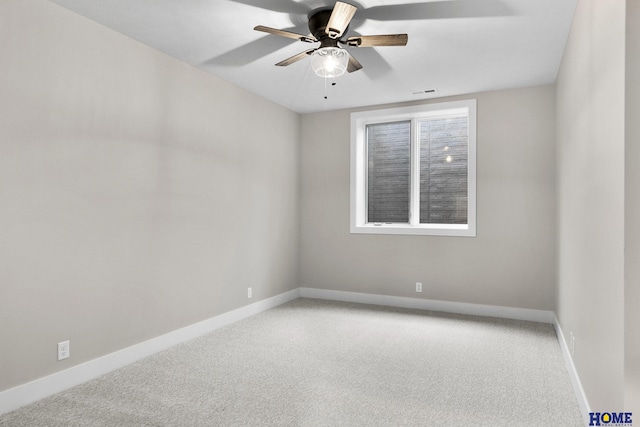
column 64, row 350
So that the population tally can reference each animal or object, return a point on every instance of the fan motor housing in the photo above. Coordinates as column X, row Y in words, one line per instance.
column 317, row 25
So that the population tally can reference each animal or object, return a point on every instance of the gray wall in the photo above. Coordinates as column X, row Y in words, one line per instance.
column 591, row 143
column 511, row 262
column 136, row 199
column 632, row 210
column 138, row 195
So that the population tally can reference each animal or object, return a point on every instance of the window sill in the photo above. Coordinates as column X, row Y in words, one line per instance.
column 459, row 230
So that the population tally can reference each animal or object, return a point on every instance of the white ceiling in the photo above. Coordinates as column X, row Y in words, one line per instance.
column 455, row 46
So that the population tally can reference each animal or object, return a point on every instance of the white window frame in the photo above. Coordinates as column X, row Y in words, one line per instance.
column 360, row 120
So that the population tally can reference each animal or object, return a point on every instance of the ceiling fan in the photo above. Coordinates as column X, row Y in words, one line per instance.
column 329, row 27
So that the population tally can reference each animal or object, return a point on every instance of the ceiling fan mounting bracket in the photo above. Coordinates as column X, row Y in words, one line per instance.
column 307, row 39
column 353, row 41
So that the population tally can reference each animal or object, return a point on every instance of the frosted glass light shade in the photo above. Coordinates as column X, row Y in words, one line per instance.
column 329, row 62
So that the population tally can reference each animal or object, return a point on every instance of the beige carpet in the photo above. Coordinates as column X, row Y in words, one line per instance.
column 320, row 363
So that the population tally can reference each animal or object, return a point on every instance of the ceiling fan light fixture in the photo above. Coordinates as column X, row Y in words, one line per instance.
column 329, row 62
column 328, row 26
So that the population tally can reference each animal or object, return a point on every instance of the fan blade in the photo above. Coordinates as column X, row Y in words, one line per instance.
column 282, row 6
column 354, row 65
column 340, row 18
column 295, row 58
column 381, row 40
column 438, row 9
column 289, row 34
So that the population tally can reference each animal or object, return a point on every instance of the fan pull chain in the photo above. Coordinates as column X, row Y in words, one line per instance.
column 325, row 88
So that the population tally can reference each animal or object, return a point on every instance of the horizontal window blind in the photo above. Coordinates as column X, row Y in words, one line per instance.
column 443, row 170
column 388, row 172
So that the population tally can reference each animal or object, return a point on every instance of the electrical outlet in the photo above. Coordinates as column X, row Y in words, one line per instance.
column 63, row 350
column 249, row 292
column 418, row 286
column 573, row 345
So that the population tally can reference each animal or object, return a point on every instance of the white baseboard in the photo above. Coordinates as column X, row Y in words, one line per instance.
column 542, row 316
column 583, row 403
column 25, row 394
column 30, row 392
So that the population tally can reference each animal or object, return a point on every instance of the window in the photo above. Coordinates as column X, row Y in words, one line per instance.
column 413, row 170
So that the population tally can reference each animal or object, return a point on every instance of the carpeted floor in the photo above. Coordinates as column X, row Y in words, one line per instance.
column 321, row 363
